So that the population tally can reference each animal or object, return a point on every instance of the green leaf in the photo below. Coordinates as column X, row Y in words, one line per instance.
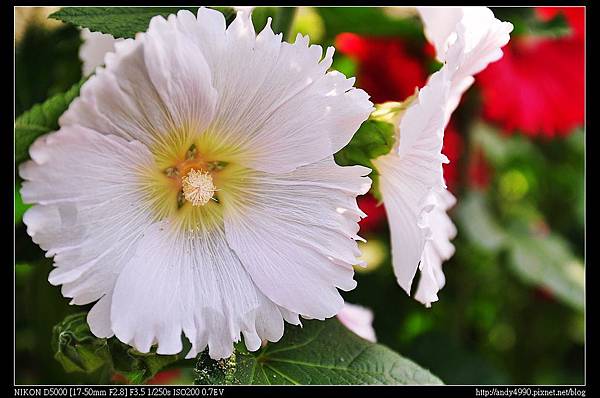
column 502, row 150
column 477, row 221
column 547, row 261
column 371, row 21
column 78, row 350
column 320, row 352
column 538, row 259
column 122, row 22
column 41, row 119
column 374, row 138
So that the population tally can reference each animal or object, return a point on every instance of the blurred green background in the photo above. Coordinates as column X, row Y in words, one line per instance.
column 512, row 307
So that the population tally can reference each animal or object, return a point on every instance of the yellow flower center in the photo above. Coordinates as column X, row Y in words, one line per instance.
column 182, row 186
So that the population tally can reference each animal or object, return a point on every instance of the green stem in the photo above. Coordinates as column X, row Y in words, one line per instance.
column 283, row 20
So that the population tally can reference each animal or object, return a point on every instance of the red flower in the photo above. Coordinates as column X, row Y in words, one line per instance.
column 538, row 86
column 387, row 70
column 452, row 149
column 375, row 214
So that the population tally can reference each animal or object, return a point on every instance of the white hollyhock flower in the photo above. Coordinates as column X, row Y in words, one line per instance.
column 359, row 320
column 94, row 46
column 411, row 176
column 191, row 187
column 468, row 38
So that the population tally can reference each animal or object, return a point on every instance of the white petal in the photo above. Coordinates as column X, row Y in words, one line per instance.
column 429, row 284
column 88, row 213
column 276, row 102
column 422, row 125
column 440, row 26
column 93, row 48
column 437, row 248
column 151, row 88
column 468, row 39
column 176, row 282
column 442, row 227
column 408, row 176
column 180, row 74
column 359, row 320
column 479, row 35
column 297, row 132
column 401, row 195
column 303, row 245
column 99, row 317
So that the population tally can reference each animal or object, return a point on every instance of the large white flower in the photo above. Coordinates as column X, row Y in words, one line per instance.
column 191, row 187
column 411, row 177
